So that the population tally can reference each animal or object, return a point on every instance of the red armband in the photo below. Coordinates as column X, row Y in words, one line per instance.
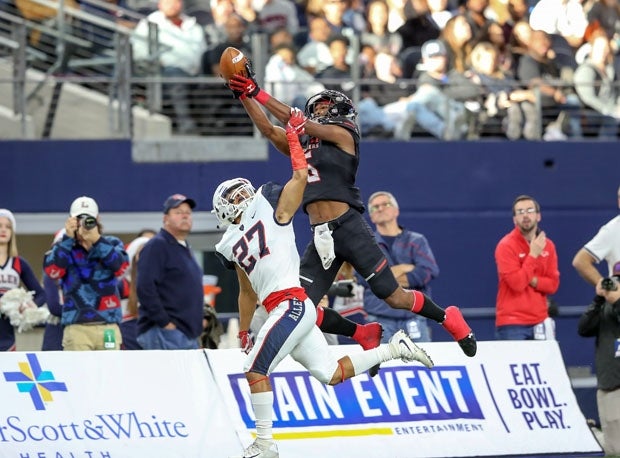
column 262, row 97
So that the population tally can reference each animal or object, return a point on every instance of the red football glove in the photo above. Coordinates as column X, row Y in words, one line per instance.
column 246, row 342
column 247, row 86
column 297, row 122
column 243, row 86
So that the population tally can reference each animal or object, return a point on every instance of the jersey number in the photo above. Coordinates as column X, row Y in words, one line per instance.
column 241, row 248
column 313, row 173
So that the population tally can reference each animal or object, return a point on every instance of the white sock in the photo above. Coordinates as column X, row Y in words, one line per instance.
column 262, row 403
column 369, row 358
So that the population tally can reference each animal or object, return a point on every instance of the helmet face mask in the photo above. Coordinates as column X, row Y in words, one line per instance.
column 231, row 198
column 328, row 105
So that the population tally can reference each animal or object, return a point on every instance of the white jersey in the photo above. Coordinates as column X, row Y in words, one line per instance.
column 262, row 247
column 10, row 276
column 606, row 244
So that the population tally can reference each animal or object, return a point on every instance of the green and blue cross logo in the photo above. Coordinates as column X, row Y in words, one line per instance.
column 33, row 380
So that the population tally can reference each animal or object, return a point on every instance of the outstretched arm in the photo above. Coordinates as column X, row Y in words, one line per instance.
column 292, row 194
column 247, row 88
column 275, row 134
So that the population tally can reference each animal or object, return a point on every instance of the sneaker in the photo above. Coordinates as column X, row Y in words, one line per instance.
column 401, row 346
column 369, row 337
column 458, row 328
column 403, row 130
column 260, row 449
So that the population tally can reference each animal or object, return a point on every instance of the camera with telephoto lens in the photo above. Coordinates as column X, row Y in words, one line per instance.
column 610, row 283
column 87, row 222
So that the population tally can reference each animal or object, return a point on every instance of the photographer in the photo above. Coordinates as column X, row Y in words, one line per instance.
column 602, row 321
column 87, row 266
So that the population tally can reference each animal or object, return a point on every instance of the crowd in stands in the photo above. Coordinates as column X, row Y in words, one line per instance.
column 545, row 69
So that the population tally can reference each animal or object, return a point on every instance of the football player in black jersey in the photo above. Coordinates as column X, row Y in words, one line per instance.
column 333, row 203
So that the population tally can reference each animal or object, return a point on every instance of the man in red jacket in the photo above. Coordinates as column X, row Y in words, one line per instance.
column 527, row 267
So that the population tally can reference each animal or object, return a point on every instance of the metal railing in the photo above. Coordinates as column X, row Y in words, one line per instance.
column 71, row 74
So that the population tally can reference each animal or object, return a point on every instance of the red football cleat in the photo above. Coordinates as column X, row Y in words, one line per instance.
column 458, row 328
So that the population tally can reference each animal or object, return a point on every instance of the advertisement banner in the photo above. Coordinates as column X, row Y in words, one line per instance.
column 513, row 398
column 113, row 404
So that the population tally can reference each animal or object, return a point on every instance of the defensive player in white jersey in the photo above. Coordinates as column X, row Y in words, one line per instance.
column 259, row 243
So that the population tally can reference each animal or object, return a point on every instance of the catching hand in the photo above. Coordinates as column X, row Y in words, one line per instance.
column 246, row 342
column 297, row 122
column 243, row 85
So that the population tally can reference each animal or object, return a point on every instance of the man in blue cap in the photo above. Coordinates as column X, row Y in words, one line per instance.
column 169, row 283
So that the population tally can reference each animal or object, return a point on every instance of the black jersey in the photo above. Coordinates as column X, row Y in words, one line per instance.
column 332, row 171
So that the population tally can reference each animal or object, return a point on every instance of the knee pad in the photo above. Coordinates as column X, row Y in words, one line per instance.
column 383, row 284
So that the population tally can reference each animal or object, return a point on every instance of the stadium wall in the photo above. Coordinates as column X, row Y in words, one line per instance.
column 458, row 194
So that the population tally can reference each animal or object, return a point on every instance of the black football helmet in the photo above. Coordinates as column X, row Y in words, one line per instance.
column 339, row 106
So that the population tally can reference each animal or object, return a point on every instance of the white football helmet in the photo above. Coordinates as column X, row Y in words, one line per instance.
column 231, row 198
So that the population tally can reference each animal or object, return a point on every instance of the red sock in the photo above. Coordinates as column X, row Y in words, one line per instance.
column 418, row 301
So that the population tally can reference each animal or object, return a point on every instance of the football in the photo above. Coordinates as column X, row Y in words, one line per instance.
column 232, row 62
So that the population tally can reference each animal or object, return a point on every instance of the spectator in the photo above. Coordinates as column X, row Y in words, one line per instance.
column 215, row 31
column 606, row 14
column 288, row 80
column 271, row 277
column 87, row 266
column 396, row 14
column 169, row 284
column 457, row 35
column 280, row 37
column 413, row 265
column 438, row 104
column 602, row 321
column 129, row 301
column 440, row 12
column 540, row 69
column 377, row 34
column 475, row 14
column 604, row 246
column 14, row 271
column 341, row 19
column 596, row 87
column 527, row 267
column 235, row 35
column 340, row 68
column 245, row 9
column 276, row 14
column 53, row 333
column 420, row 27
column 180, row 49
column 334, row 207
column 560, row 17
column 518, row 44
column 314, row 56
column 518, row 10
column 515, row 107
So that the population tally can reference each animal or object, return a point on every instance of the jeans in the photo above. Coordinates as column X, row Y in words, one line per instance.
column 157, row 338
column 372, row 115
column 415, row 327
column 514, row 332
column 179, row 96
column 433, row 110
